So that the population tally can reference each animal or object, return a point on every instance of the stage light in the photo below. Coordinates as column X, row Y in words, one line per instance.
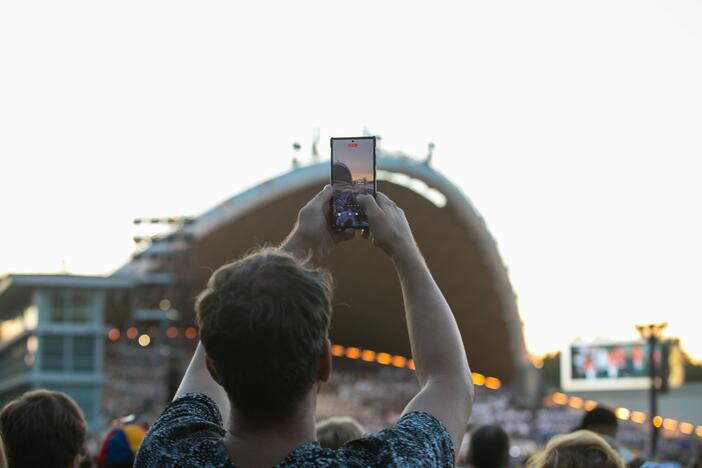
column 113, row 334
column 638, row 417
column 144, row 340
column 132, row 332
column 353, row 353
column 171, row 332
column 384, row 358
column 410, row 364
column 368, row 355
column 670, row 424
column 191, row 333
column 399, row 361
column 590, row 405
column 560, row 398
column 686, row 428
column 478, row 379
column 698, row 431
column 337, row 350
column 575, row 402
column 622, row 413
column 493, row 383
column 657, row 421
column 165, row 304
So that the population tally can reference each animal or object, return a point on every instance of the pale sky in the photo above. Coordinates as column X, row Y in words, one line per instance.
column 574, row 128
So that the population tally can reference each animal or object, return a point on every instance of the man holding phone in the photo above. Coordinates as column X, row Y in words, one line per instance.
column 249, row 395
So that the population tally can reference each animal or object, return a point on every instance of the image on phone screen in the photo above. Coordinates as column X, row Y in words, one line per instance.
column 352, row 173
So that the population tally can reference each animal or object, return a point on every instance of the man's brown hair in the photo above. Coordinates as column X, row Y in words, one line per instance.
column 263, row 320
column 42, row 428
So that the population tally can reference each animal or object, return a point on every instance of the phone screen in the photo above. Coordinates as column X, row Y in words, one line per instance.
column 352, row 173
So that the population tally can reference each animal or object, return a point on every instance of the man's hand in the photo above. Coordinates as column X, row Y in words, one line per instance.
column 312, row 235
column 388, row 225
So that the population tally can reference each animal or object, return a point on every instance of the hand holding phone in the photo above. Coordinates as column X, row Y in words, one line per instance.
column 352, row 174
column 388, row 225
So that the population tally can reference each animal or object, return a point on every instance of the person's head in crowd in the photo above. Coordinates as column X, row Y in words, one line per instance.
column 43, row 428
column 489, row 448
column 601, row 420
column 334, row 432
column 119, row 446
column 579, row 449
column 263, row 323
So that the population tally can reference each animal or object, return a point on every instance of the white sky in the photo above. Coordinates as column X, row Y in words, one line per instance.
column 574, row 128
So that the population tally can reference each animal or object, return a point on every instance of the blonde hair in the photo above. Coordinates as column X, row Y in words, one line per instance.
column 334, row 432
column 581, row 449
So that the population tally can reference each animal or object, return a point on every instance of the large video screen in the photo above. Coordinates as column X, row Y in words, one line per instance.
column 606, row 366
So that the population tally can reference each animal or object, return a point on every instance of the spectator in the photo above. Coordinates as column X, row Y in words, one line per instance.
column 603, row 421
column 579, row 449
column 489, row 448
column 334, row 432
column 43, row 428
column 119, row 446
column 248, row 396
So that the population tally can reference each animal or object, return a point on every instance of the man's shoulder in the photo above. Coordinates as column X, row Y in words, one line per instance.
column 189, row 429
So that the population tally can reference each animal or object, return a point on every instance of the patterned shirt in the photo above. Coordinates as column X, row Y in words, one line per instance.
column 189, row 433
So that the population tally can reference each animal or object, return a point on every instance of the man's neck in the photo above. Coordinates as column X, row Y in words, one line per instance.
column 252, row 445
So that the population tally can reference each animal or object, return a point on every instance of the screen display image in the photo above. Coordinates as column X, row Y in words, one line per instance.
column 352, row 174
column 609, row 361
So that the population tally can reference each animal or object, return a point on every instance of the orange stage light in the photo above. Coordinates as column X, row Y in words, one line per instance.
column 353, row 353
column 384, row 358
column 670, row 424
column 113, row 334
column 191, row 333
column 399, row 361
column 410, row 364
column 132, row 332
column 590, row 405
column 638, row 417
column 171, row 332
column 560, row 398
column 478, row 378
column 657, row 421
column 493, row 383
column 686, row 428
column 337, row 350
column 575, row 402
column 368, row 355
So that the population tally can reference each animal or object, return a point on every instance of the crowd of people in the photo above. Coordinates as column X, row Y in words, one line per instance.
column 278, row 406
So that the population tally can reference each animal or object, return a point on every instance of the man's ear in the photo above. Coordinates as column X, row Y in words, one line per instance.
column 212, row 370
column 325, row 362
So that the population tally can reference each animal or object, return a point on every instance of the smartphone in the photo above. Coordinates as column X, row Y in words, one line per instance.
column 352, row 173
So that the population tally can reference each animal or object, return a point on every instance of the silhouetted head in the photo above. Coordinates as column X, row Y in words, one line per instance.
column 43, row 428
column 263, row 322
column 489, row 448
column 601, row 420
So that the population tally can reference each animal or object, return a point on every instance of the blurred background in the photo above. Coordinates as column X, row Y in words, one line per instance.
column 547, row 155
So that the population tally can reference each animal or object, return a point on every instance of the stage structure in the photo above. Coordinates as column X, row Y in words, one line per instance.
column 368, row 309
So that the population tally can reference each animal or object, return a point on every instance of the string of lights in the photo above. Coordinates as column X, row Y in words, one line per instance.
column 625, row 414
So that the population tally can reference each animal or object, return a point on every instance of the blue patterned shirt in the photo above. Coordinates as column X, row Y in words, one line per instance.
column 189, row 433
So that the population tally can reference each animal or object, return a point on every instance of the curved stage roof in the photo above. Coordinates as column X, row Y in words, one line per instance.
column 368, row 310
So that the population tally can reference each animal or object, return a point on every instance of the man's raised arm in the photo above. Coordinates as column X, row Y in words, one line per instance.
column 437, row 349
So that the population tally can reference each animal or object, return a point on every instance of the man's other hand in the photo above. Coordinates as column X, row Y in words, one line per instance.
column 388, row 225
column 312, row 234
